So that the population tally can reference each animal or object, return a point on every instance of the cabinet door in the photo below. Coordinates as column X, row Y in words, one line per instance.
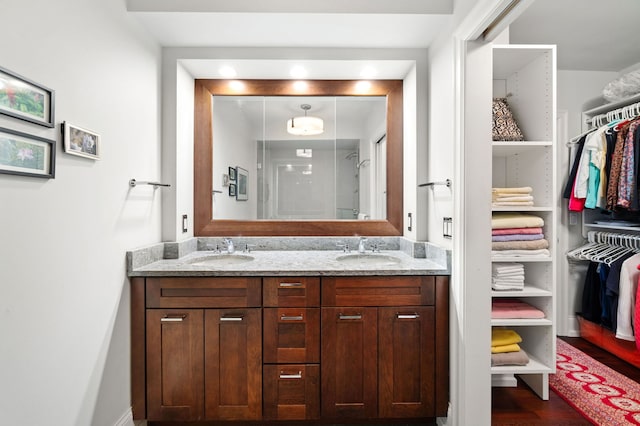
column 291, row 391
column 233, row 364
column 349, row 362
column 291, row 335
column 406, row 359
column 175, row 364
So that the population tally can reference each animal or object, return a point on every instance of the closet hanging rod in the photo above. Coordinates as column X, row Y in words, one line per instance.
column 628, row 111
column 446, row 183
column 133, row 183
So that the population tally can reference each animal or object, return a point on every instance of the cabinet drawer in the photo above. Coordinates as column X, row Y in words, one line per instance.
column 378, row 291
column 205, row 292
column 291, row 335
column 291, row 291
column 291, row 392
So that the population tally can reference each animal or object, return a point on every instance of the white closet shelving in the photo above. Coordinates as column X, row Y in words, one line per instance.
column 526, row 75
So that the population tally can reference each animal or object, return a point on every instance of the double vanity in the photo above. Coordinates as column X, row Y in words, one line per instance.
column 289, row 329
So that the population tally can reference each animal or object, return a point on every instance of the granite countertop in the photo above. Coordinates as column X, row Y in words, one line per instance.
column 191, row 258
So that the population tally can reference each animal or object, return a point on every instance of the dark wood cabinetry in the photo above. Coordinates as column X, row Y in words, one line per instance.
column 378, row 347
column 295, row 349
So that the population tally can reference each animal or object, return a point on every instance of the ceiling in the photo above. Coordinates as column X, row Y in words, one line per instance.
column 590, row 34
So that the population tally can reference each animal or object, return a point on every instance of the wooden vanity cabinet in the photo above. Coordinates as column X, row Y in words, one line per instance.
column 291, row 348
column 380, row 337
column 295, row 349
column 205, row 363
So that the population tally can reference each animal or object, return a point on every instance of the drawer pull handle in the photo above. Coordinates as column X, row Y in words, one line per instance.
column 291, row 376
column 408, row 316
column 350, row 317
column 291, row 317
column 232, row 318
column 290, row 284
column 173, row 318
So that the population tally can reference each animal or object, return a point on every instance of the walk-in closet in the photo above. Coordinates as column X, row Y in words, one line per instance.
column 591, row 168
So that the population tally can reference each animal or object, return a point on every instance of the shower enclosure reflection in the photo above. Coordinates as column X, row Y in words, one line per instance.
column 332, row 175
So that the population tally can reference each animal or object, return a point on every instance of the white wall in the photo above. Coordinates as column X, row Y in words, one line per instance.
column 64, row 294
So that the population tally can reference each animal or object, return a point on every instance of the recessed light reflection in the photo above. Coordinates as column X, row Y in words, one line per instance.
column 298, row 71
column 227, row 72
column 368, row 72
column 300, row 86
column 236, row 85
column 363, row 86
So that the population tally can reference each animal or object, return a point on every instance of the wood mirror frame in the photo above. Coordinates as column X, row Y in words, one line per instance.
column 204, row 225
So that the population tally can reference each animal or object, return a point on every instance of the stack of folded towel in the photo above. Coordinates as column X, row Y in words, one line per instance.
column 514, row 308
column 518, row 234
column 507, row 276
column 520, row 196
column 505, row 349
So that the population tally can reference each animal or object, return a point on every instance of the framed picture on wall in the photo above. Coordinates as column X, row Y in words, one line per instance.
column 82, row 142
column 232, row 190
column 25, row 99
column 232, row 173
column 242, row 178
column 26, row 155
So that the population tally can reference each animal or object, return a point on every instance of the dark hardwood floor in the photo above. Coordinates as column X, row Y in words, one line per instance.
column 521, row 406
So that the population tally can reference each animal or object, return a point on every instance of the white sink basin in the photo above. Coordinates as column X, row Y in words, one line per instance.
column 368, row 259
column 221, row 260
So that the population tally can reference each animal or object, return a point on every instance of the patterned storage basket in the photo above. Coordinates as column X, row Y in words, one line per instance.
column 505, row 127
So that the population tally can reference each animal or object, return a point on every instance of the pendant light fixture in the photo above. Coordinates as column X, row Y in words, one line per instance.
column 305, row 125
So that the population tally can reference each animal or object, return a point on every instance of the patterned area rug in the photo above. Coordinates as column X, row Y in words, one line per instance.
column 600, row 394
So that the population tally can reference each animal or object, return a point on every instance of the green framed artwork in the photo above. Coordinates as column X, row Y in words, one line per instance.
column 26, row 155
column 24, row 99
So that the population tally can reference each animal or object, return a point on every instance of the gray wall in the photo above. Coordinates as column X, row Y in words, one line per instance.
column 64, row 294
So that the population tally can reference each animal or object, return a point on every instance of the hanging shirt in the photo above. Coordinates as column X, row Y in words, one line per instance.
column 616, row 165
column 629, row 275
column 596, row 144
column 626, row 184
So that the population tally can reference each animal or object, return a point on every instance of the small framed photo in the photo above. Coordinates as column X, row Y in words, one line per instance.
column 232, row 190
column 232, row 173
column 242, row 178
column 26, row 155
column 79, row 141
column 25, row 99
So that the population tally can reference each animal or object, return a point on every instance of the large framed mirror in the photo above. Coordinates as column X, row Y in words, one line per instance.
column 277, row 204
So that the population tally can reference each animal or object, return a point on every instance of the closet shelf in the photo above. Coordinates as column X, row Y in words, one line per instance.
column 512, row 322
column 521, row 209
column 528, row 291
column 506, row 149
column 603, row 109
column 534, row 367
column 521, row 259
column 624, row 228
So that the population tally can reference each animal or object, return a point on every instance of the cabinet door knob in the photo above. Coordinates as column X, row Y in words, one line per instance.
column 407, row 316
column 350, row 317
column 173, row 318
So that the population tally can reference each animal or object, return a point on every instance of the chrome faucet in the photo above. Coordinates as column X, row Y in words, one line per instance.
column 230, row 248
column 361, row 248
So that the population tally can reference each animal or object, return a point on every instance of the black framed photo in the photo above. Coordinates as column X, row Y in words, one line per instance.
column 232, row 173
column 242, row 178
column 82, row 142
column 26, row 155
column 25, row 99
column 232, row 190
